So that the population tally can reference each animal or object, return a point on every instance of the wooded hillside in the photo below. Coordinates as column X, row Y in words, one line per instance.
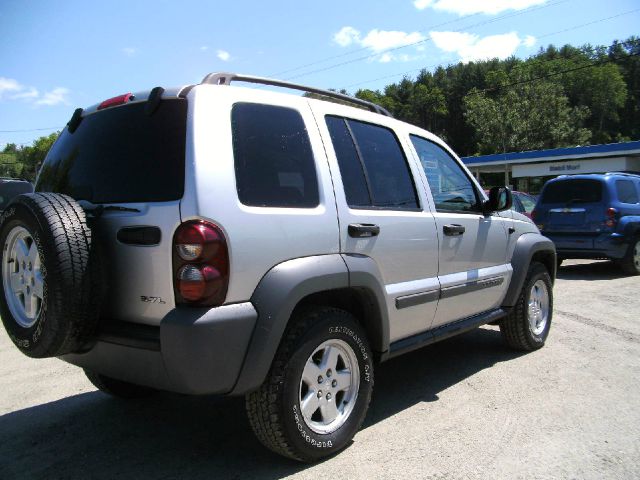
column 559, row 97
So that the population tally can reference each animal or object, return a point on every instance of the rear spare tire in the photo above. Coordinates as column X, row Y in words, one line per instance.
column 48, row 300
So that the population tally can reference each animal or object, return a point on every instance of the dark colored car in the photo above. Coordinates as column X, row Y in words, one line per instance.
column 12, row 187
column 593, row 216
column 523, row 203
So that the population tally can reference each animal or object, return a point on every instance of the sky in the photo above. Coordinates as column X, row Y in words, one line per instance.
column 58, row 55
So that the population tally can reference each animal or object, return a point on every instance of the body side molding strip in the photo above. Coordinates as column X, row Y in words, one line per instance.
column 406, row 301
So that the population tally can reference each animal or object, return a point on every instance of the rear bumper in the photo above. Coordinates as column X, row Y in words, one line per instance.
column 605, row 245
column 194, row 351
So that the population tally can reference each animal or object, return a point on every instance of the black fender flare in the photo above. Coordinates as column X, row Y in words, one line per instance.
column 280, row 291
column 527, row 247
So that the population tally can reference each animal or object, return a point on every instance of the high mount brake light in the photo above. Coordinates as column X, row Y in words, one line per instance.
column 119, row 100
column 200, row 264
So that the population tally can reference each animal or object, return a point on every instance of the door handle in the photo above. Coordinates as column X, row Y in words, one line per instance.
column 453, row 230
column 363, row 230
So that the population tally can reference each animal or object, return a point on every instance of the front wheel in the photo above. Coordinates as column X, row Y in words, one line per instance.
column 318, row 389
column 527, row 325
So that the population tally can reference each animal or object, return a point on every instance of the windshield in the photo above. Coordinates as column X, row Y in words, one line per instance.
column 121, row 154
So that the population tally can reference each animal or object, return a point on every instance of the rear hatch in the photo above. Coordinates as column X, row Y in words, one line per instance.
column 125, row 165
column 572, row 211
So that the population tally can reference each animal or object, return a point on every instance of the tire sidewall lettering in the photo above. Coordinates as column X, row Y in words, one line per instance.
column 354, row 336
column 306, row 436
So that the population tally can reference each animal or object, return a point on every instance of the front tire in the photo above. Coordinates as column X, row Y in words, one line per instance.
column 318, row 390
column 527, row 325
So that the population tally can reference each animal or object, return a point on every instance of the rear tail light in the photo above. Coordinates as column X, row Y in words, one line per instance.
column 611, row 219
column 200, row 264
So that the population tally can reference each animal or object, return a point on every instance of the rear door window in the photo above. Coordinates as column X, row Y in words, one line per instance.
column 626, row 191
column 121, row 154
column 573, row 191
column 374, row 170
column 274, row 162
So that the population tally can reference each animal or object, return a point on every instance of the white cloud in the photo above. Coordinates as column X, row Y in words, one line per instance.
column 26, row 94
column 223, row 55
column 422, row 4
column 204, row 48
column 129, row 51
column 471, row 47
column 467, row 7
column 54, row 97
column 529, row 41
column 346, row 36
column 378, row 41
column 13, row 90
column 8, row 85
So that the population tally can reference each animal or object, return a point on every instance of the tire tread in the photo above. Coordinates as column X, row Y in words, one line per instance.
column 515, row 328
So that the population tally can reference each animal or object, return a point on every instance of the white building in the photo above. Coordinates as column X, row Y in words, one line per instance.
column 527, row 171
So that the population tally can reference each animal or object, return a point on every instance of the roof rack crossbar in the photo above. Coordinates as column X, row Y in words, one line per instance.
column 227, row 78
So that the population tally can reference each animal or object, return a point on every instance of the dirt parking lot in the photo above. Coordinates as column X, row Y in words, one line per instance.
column 464, row 408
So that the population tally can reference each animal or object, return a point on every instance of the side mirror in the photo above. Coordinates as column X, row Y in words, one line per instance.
column 500, row 199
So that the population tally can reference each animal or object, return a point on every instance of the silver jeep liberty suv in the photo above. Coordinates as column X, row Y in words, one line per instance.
column 214, row 239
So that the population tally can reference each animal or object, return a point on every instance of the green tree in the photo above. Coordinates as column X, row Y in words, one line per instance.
column 429, row 105
column 10, row 148
column 8, row 162
column 525, row 116
column 603, row 91
column 32, row 157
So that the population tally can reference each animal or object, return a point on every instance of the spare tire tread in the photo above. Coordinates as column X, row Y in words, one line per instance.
column 70, row 272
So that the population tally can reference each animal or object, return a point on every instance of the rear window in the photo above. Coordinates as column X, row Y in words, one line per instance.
column 121, row 154
column 573, row 191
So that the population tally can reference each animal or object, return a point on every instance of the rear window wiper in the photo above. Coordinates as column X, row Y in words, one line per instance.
column 119, row 208
column 97, row 210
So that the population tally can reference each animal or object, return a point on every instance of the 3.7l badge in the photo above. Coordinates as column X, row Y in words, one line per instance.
column 146, row 299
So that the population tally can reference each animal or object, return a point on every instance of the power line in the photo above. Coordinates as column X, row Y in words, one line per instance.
column 575, row 27
column 333, row 57
column 420, row 42
column 31, row 130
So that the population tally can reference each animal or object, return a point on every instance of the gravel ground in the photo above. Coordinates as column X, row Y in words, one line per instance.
column 465, row 408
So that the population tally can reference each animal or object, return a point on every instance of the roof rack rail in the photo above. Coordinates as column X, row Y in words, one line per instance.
column 630, row 173
column 227, row 78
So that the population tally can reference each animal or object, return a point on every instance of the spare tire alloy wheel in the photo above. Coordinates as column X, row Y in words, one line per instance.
column 50, row 293
column 22, row 277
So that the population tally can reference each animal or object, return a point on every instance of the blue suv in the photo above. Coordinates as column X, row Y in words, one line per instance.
column 593, row 216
